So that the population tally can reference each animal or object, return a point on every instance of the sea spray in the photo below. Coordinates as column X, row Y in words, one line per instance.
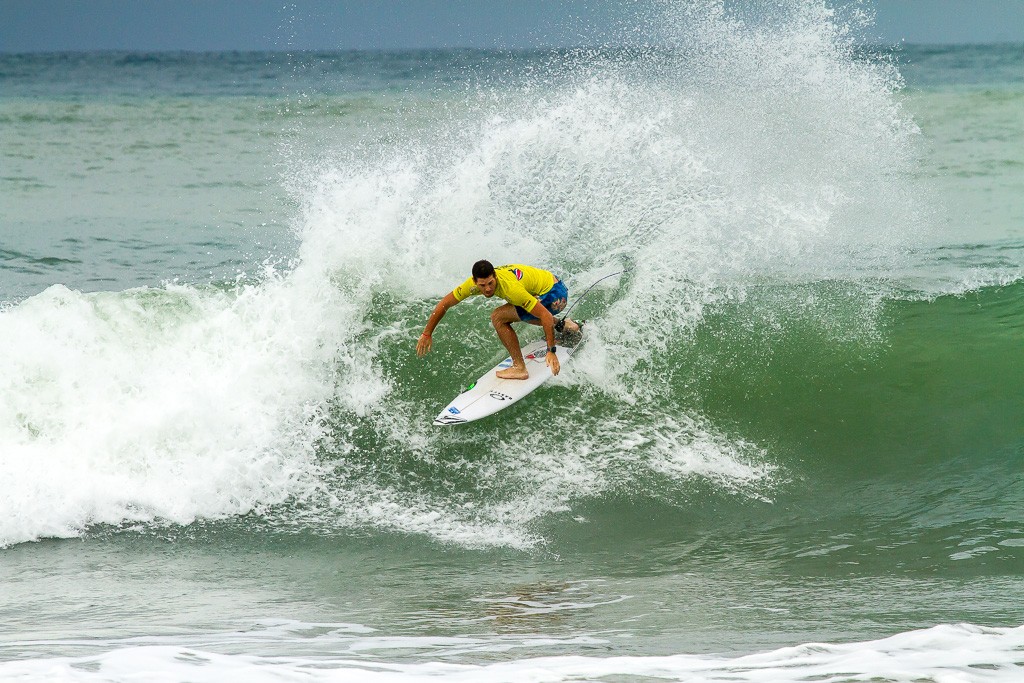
column 745, row 153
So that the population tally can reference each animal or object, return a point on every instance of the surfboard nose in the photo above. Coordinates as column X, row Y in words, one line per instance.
column 448, row 419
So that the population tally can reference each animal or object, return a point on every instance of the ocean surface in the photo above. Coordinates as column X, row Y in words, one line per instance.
column 791, row 449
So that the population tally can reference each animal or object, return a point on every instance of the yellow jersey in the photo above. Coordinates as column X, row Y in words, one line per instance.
column 517, row 284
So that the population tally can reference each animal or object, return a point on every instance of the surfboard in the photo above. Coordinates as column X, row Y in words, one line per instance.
column 489, row 394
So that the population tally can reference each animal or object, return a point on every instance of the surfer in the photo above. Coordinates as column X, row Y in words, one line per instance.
column 532, row 295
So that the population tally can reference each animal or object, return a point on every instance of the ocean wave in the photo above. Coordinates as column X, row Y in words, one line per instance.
column 961, row 652
column 741, row 153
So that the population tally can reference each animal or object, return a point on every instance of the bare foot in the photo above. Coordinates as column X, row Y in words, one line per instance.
column 514, row 372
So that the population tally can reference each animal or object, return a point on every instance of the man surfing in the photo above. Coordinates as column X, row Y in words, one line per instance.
column 532, row 295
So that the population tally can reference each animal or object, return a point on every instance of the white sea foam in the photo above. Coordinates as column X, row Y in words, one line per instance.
column 167, row 404
column 946, row 654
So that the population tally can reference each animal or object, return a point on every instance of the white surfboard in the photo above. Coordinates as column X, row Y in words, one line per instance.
column 490, row 394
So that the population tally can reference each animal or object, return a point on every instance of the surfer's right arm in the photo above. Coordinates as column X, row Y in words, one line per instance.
column 423, row 345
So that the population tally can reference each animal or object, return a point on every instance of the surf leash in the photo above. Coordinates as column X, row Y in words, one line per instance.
column 585, row 292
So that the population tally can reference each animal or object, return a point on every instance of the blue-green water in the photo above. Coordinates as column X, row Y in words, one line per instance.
column 797, row 419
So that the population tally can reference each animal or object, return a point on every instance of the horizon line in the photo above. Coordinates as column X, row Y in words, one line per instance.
column 116, row 50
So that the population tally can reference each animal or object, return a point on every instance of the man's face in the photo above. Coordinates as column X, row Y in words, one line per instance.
column 486, row 285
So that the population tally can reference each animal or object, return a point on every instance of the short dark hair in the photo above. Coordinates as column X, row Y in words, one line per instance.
column 482, row 269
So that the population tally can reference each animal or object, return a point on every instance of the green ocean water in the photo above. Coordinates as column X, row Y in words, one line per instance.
column 796, row 420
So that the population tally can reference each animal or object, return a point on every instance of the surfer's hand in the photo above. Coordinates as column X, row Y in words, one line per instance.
column 552, row 360
column 423, row 345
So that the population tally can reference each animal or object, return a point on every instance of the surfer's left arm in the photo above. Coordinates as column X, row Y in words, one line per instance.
column 548, row 322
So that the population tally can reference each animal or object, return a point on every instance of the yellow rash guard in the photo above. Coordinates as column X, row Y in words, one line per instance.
column 517, row 284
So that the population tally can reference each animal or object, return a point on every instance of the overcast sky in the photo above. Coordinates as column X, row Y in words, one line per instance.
column 56, row 25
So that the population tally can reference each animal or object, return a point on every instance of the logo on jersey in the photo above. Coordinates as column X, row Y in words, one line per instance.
column 518, row 273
